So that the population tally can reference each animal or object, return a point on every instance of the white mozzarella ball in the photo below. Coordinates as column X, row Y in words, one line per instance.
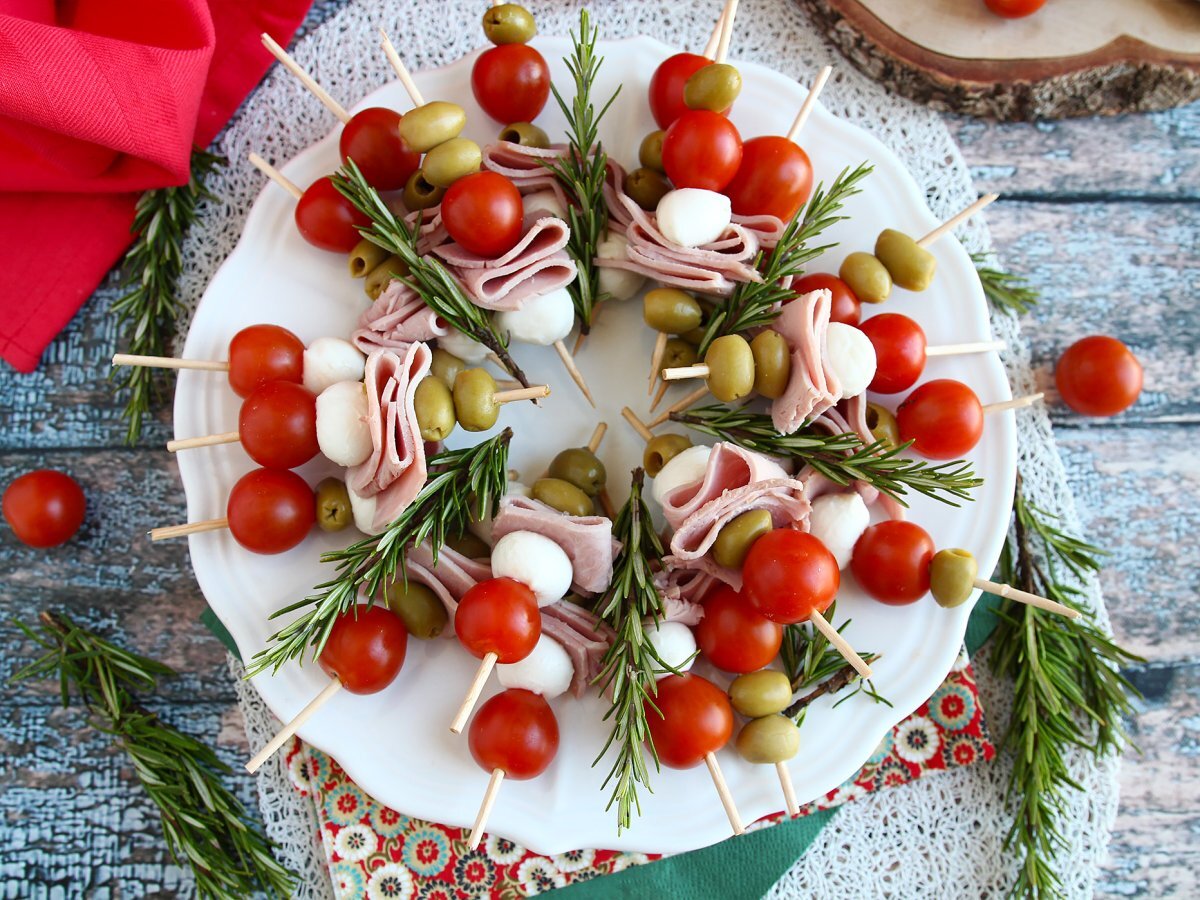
column 542, row 320
column 363, row 510
column 465, row 348
column 684, row 468
column 675, row 645
column 329, row 360
column 544, row 202
column 535, row 561
column 693, row 217
column 547, row 670
column 342, row 431
column 619, row 284
column 851, row 355
column 838, row 521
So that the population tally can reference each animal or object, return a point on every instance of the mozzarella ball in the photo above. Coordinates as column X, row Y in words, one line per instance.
column 535, row 561
column 542, row 320
column 544, row 202
column 465, row 348
column 547, row 670
column 693, row 217
column 838, row 521
column 329, row 360
column 687, row 467
column 363, row 510
column 619, row 284
column 675, row 645
column 342, row 431
column 851, row 356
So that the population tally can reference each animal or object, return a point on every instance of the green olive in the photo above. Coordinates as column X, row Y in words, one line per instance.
column 679, row 353
column 425, row 127
column 364, row 257
column 475, row 400
column 417, row 606
column 730, row 368
column 770, row 739
column 420, row 194
column 713, row 87
column 660, row 450
column 526, row 134
column 883, row 424
column 737, row 536
column 435, row 409
column 650, row 152
column 952, row 575
column 772, row 363
column 470, row 545
column 694, row 337
column 760, row 693
column 646, row 187
column 448, row 162
column 671, row 311
column 910, row 265
column 580, row 467
column 445, row 366
column 508, row 24
column 333, row 505
column 867, row 277
column 563, row 496
column 379, row 277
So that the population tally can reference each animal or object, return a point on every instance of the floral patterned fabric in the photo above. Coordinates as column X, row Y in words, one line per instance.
column 377, row 853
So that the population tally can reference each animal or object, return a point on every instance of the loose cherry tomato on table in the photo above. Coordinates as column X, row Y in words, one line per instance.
column 328, row 220
column 696, row 720
column 278, row 425
column 1098, row 376
column 943, row 419
column 366, row 649
column 734, row 636
column 44, row 508
column 774, row 178
column 260, row 354
column 499, row 616
column 516, row 732
column 899, row 344
column 788, row 575
column 270, row 510
column 483, row 212
column 891, row 562
column 372, row 139
column 701, row 149
column 511, row 82
column 1014, row 9
column 666, row 86
column 846, row 306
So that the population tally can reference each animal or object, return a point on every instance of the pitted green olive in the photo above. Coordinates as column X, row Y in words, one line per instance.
column 772, row 363
column 770, row 739
column 469, row 545
column 418, row 607
column 660, row 450
column 475, row 400
column 509, row 23
column 737, row 536
column 713, row 87
column 448, row 162
column 563, row 496
column 883, row 424
column 646, row 187
column 381, row 276
column 333, row 505
column 760, row 693
column 952, row 575
column 425, row 127
column 526, row 134
column 911, row 266
column 445, row 366
column 435, row 409
column 671, row 311
column 650, row 152
column 867, row 277
column 730, row 368
column 364, row 257
column 582, row 468
column 420, row 194
column 679, row 353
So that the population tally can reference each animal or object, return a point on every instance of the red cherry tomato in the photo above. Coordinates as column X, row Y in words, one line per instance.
column 511, row 82
column 899, row 344
column 666, row 86
column 789, row 575
column 696, row 720
column 1014, row 9
column 943, row 419
column 270, row 510
column 516, row 732
column 261, row 354
column 1098, row 376
column 498, row 616
column 891, row 562
column 702, row 149
column 366, row 649
column 774, row 178
column 734, row 636
column 372, row 139
column 328, row 220
column 846, row 305
column 278, row 425
column 483, row 212
column 44, row 508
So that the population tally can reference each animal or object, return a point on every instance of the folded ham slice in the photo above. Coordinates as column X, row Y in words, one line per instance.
column 526, row 166
column 682, row 591
column 398, row 318
column 583, row 635
column 587, row 540
column 812, row 387
column 432, row 232
column 395, row 471
column 764, row 226
column 729, row 467
column 449, row 578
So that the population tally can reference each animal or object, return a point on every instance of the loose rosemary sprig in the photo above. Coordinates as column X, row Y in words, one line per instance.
column 843, row 458
column 426, row 275
column 757, row 302
column 203, row 822
column 582, row 170
column 1008, row 293
column 152, row 266
column 809, row 659
column 463, row 485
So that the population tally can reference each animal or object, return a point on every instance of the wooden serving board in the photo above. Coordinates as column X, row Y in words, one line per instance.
column 1070, row 58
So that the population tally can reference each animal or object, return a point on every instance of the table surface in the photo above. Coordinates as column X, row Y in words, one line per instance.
column 1102, row 215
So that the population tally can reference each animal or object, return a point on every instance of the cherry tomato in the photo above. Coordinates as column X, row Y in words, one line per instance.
column 666, row 86
column 270, row 510
column 516, row 732
column 788, row 575
column 891, row 562
column 1014, row 9
column 260, row 354
column 696, row 720
column 943, row 418
column 44, row 508
column 483, row 212
column 499, row 616
column 702, row 149
column 372, row 139
column 774, row 178
column 1098, row 376
column 366, row 649
column 328, row 220
column 899, row 344
column 846, row 305
column 278, row 425
column 511, row 82
column 734, row 636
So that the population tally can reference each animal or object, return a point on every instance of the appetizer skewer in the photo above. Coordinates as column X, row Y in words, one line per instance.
column 323, row 216
column 901, row 351
column 769, row 737
column 944, row 418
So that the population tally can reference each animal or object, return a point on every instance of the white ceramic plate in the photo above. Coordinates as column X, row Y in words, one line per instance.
column 396, row 744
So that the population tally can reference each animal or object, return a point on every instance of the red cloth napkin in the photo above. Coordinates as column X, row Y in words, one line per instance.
column 100, row 100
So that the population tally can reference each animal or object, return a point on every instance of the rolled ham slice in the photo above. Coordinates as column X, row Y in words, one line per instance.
column 583, row 635
column 449, row 578
column 396, row 320
column 587, row 540
column 682, row 591
column 729, row 468
column 526, row 166
column 432, row 232
column 767, row 228
column 812, row 387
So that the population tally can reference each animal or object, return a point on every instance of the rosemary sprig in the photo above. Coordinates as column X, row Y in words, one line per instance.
column 203, row 822
column 152, row 266
column 1008, row 293
column 427, row 276
column 809, row 659
column 757, row 302
column 582, row 170
column 463, row 485
column 842, row 458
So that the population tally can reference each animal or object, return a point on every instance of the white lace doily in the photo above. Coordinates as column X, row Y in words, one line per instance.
column 942, row 833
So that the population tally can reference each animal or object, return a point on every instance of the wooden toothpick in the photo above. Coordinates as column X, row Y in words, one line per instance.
column 533, row 392
column 726, row 30
column 210, row 440
column 285, row 733
column 714, row 769
column 573, row 370
column 410, row 86
column 714, row 39
column 809, row 102
column 656, row 358
column 275, row 175
column 169, row 362
column 174, row 531
column 307, row 80
column 1012, row 593
column 957, row 349
column 473, row 691
column 1015, row 403
column 789, row 789
column 485, row 808
column 679, row 405
column 956, row 220
column 840, row 644
column 638, row 425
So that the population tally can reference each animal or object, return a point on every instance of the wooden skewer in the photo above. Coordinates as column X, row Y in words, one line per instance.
column 726, row 30
column 710, row 49
column 656, row 358
column 848, row 653
column 174, row 531
column 663, row 387
column 485, row 808
column 680, row 405
column 976, row 347
column 593, row 445
column 481, row 676
column 410, row 86
column 169, row 362
column 679, row 373
column 714, row 769
column 580, row 338
column 532, row 392
column 276, row 176
column 598, row 433
column 1015, row 403
column 1012, row 593
column 285, row 733
column 307, row 80
column 638, row 425
column 573, row 370
column 954, row 221
column 809, row 102
column 789, row 789
column 210, row 440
